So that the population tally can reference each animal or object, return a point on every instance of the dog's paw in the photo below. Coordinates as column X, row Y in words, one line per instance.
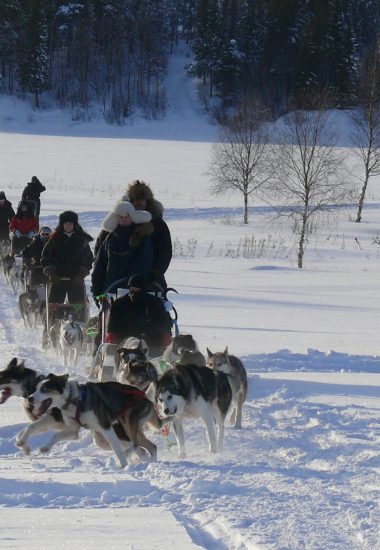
column 45, row 449
column 24, row 447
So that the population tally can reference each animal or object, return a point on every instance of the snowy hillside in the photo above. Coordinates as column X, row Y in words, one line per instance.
column 303, row 473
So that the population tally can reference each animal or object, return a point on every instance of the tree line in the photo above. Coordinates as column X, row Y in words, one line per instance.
column 114, row 52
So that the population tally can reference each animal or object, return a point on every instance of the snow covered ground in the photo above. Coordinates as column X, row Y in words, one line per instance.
column 304, row 472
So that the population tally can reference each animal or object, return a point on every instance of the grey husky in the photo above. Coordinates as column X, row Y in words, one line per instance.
column 95, row 406
column 237, row 377
column 189, row 391
column 183, row 350
column 20, row 381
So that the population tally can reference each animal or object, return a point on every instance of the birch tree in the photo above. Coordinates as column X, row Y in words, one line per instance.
column 366, row 118
column 240, row 161
column 311, row 179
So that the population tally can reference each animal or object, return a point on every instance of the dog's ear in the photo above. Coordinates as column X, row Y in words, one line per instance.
column 13, row 364
column 209, row 353
column 226, row 351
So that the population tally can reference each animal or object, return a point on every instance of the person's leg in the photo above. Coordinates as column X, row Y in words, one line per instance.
column 76, row 294
column 57, row 293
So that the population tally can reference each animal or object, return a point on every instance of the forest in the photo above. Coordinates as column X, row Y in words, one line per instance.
column 114, row 52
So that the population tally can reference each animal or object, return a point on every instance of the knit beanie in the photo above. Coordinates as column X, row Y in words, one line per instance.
column 137, row 281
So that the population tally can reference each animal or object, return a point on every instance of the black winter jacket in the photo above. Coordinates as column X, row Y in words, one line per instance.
column 144, row 317
column 162, row 248
column 33, row 191
column 70, row 255
column 117, row 258
column 34, row 250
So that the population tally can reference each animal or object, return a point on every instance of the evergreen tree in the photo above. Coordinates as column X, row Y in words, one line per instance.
column 33, row 65
column 10, row 17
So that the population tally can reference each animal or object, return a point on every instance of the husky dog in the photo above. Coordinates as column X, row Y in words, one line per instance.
column 134, row 367
column 130, row 348
column 138, row 372
column 183, row 350
column 30, row 307
column 70, row 341
column 189, row 391
column 95, row 406
column 20, row 381
column 237, row 377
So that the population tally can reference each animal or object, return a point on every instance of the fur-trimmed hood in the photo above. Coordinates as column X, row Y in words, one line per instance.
column 139, row 189
column 125, row 208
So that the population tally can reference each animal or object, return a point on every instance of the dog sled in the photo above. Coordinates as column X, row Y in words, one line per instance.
column 103, row 366
column 19, row 243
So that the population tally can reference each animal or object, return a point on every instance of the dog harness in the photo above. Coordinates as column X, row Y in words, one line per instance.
column 133, row 394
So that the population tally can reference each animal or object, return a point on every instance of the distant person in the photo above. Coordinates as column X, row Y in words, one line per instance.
column 127, row 249
column 139, row 314
column 33, row 191
column 6, row 214
column 141, row 196
column 67, row 260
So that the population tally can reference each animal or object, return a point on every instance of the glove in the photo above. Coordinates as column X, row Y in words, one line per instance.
column 18, row 233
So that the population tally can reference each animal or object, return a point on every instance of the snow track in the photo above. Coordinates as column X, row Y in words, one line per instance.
column 305, row 457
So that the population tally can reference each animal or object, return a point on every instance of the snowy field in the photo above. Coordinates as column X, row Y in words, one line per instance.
column 304, row 472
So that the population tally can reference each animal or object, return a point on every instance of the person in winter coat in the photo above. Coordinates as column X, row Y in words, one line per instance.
column 67, row 260
column 127, row 249
column 23, row 227
column 32, row 192
column 142, row 198
column 31, row 256
column 139, row 314
column 6, row 214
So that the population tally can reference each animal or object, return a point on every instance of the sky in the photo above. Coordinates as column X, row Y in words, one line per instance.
column 303, row 472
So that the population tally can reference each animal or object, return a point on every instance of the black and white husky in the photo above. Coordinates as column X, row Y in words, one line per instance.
column 237, row 378
column 18, row 380
column 95, row 406
column 189, row 391
column 70, row 341
column 183, row 350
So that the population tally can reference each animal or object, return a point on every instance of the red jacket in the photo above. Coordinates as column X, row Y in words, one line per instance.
column 24, row 225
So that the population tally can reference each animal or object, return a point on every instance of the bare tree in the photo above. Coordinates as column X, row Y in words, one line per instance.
column 310, row 178
column 366, row 118
column 240, row 160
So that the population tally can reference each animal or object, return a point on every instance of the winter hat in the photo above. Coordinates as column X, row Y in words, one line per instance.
column 125, row 208
column 35, row 179
column 137, row 281
column 68, row 216
column 2, row 195
column 139, row 190
column 45, row 230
